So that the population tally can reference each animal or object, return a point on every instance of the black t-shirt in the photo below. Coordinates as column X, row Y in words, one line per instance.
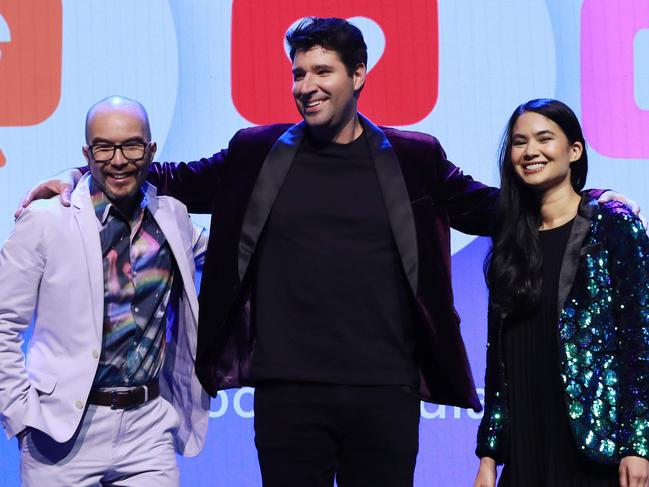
column 331, row 301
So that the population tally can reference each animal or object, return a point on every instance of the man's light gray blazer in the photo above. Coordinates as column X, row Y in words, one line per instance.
column 51, row 271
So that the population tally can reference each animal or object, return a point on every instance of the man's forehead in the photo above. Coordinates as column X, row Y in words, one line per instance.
column 118, row 111
column 316, row 52
column 118, row 119
column 107, row 122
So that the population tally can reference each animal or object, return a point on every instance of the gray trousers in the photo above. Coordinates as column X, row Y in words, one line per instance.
column 116, row 447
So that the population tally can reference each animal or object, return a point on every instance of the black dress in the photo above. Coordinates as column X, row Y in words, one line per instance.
column 542, row 450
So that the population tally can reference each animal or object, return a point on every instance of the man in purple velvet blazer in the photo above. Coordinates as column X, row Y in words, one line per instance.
column 327, row 282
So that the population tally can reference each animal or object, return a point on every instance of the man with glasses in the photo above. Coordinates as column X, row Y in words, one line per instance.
column 107, row 394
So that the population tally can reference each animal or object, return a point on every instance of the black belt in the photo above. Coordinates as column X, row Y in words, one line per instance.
column 130, row 398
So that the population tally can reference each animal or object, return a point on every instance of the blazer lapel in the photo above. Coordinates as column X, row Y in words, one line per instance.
column 397, row 200
column 570, row 262
column 169, row 226
column 393, row 187
column 86, row 219
column 269, row 181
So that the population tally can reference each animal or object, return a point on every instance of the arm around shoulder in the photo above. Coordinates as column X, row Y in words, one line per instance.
column 471, row 205
column 60, row 184
column 195, row 183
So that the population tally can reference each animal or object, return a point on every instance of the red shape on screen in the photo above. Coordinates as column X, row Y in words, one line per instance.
column 401, row 89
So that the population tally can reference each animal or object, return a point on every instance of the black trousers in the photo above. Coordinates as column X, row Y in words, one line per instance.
column 307, row 434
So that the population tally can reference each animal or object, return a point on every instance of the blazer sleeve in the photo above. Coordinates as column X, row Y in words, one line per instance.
column 194, row 183
column 471, row 205
column 22, row 263
column 628, row 247
column 492, row 436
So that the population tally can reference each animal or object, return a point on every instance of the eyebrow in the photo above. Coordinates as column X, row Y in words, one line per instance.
column 322, row 66
column 99, row 140
column 317, row 67
column 540, row 133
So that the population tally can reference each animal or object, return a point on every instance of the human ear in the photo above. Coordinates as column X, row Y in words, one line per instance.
column 576, row 150
column 85, row 150
column 360, row 71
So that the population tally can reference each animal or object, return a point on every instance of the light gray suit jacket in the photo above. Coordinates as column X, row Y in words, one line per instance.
column 51, row 272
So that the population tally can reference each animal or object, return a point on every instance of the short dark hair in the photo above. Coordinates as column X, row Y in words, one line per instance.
column 333, row 34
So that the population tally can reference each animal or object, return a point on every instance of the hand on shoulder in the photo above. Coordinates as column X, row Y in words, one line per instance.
column 60, row 184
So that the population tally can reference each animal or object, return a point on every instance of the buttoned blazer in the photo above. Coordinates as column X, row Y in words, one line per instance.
column 51, row 273
column 424, row 194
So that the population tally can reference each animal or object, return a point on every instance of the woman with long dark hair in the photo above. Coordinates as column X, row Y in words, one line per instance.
column 567, row 381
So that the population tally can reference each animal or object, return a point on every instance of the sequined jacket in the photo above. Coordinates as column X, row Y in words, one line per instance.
column 603, row 329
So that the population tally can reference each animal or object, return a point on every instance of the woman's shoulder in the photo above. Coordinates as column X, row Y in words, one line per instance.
column 616, row 220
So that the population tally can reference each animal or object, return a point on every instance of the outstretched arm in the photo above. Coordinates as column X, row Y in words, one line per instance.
column 194, row 183
column 471, row 205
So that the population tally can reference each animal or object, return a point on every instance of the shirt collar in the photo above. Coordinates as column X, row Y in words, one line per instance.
column 103, row 206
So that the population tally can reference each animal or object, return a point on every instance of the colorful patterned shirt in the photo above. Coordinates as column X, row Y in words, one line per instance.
column 138, row 274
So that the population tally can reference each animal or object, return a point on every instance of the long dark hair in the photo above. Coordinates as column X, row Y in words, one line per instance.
column 513, row 265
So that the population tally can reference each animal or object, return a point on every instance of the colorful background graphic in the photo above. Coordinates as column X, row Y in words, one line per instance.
column 204, row 68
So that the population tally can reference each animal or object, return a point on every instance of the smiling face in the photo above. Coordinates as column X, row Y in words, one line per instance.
column 120, row 178
column 326, row 94
column 541, row 153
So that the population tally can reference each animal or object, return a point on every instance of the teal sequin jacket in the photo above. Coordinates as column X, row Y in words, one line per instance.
column 603, row 340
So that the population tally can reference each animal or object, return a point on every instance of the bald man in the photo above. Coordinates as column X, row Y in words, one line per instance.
column 107, row 393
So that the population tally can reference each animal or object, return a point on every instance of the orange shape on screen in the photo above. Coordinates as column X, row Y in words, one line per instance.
column 30, row 63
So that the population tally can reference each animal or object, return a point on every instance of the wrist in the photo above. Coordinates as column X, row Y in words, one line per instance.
column 488, row 462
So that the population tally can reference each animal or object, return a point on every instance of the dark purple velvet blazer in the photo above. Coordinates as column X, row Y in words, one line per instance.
column 424, row 195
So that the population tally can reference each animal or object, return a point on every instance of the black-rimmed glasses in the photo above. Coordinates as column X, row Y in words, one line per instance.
column 132, row 151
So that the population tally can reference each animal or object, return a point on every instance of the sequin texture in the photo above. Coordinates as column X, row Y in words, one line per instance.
column 603, row 345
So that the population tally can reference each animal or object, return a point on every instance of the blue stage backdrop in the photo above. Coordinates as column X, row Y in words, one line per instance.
column 204, row 68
